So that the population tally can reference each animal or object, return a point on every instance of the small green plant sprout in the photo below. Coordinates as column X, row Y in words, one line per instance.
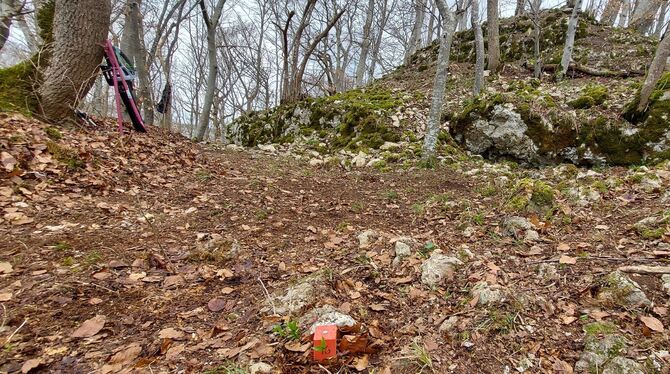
column 289, row 330
column 427, row 249
column 321, row 347
column 421, row 355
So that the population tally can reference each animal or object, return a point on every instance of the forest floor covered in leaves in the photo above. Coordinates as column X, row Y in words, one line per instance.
column 148, row 253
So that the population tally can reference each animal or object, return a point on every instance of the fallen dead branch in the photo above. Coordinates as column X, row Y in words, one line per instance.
column 582, row 69
column 645, row 269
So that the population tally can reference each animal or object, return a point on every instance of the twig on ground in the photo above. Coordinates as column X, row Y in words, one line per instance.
column 9, row 338
column 645, row 269
column 267, row 295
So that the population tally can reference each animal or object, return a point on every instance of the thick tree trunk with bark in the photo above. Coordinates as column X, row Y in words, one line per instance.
column 655, row 72
column 570, row 39
column 365, row 44
column 439, row 86
column 493, row 34
column 415, row 38
column 78, row 34
column 211, row 23
column 479, row 47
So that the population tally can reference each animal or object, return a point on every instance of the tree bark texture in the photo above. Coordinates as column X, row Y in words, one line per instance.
column 440, row 83
column 79, row 32
column 655, row 72
column 493, row 34
column 570, row 39
column 479, row 47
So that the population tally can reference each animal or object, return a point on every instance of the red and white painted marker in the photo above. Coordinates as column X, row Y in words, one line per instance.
column 325, row 342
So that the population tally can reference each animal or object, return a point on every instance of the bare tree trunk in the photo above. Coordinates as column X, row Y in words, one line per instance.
column 625, row 13
column 479, row 47
column 536, row 6
column 660, row 23
column 8, row 10
column 643, row 16
column 374, row 61
column 440, row 83
column 80, row 31
column 520, row 7
column 211, row 25
column 431, row 25
column 655, row 72
column 133, row 45
column 610, row 12
column 365, row 44
column 462, row 14
column 415, row 38
column 569, row 40
column 493, row 34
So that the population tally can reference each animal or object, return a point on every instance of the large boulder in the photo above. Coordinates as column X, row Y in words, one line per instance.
column 503, row 133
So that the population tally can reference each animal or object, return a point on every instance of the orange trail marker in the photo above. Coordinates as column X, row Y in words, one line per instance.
column 325, row 342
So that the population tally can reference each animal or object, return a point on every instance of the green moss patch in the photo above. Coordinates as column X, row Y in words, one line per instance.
column 16, row 87
column 355, row 120
column 591, row 95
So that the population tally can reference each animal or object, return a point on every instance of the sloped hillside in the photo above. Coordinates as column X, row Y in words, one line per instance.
column 146, row 252
column 581, row 120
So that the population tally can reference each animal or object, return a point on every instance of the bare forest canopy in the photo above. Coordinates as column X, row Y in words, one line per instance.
column 223, row 59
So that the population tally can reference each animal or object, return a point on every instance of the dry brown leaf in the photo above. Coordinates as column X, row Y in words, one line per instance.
column 5, row 296
column 227, row 290
column 361, row 363
column 216, row 304
column 174, row 351
column 8, row 161
column 127, row 354
column 30, row 365
column 171, row 333
column 295, row 346
column 562, row 367
column 90, row 327
column 653, row 323
column 6, row 268
column 377, row 307
column 563, row 247
column 567, row 260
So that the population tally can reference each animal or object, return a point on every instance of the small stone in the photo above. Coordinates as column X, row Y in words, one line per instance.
column 365, row 237
column 315, row 162
column 622, row 365
column 486, row 293
column 267, row 148
column 512, row 226
column 389, row 145
column 469, row 231
column 547, row 272
column 326, row 315
column 532, row 236
column 622, row 290
column 438, row 267
column 665, row 278
column 260, row 368
column 448, row 324
column 297, row 296
column 360, row 160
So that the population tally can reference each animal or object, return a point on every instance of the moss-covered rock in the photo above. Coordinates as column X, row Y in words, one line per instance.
column 356, row 120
